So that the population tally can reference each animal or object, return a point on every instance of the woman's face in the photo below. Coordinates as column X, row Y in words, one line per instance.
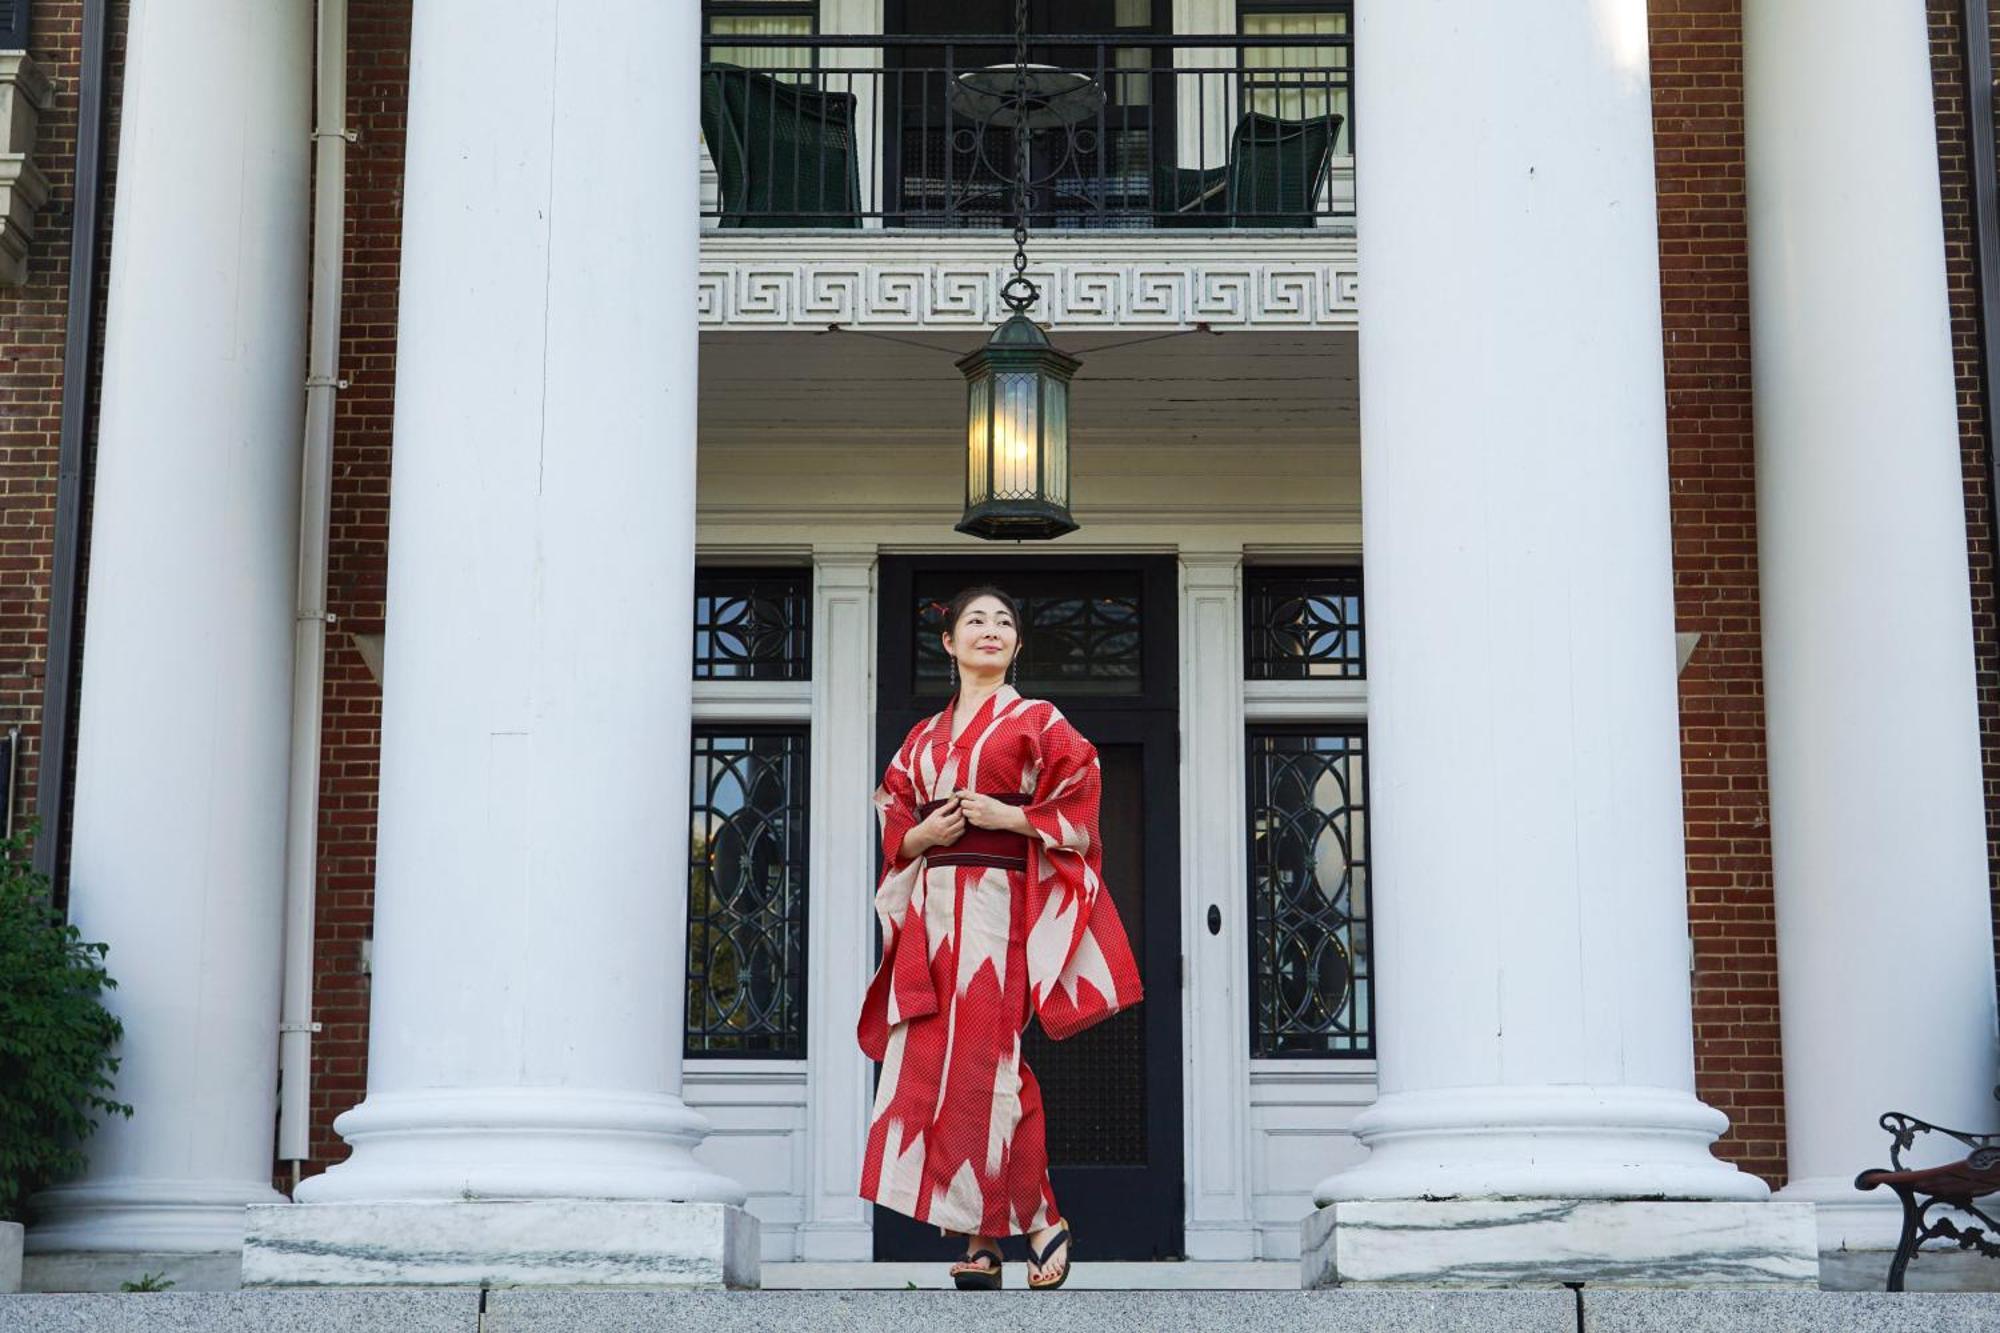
column 985, row 641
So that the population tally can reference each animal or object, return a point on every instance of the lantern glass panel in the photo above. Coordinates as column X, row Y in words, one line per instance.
column 978, row 426
column 1055, row 440
column 1016, row 434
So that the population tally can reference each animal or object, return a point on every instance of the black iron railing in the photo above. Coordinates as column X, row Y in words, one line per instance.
column 1134, row 131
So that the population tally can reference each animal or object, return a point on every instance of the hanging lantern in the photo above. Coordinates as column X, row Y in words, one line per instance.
column 1017, row 436
column 1017, row 385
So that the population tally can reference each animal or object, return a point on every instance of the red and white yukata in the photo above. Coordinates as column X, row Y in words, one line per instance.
column 977, row 936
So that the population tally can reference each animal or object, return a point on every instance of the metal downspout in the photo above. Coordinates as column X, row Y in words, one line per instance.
column 295, row 1027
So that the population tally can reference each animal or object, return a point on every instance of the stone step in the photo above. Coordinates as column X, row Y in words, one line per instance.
column 524, row 1311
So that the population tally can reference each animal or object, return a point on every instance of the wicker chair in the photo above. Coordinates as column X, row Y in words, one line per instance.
column 784, row 152
column 1273, row 178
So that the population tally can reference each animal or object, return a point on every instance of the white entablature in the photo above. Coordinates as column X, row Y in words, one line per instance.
column 1089, row 280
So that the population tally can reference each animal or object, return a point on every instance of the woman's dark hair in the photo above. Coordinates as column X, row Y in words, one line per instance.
column 967, row 596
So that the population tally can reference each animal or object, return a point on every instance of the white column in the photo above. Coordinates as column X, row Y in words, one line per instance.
column 1216, row 1001
column 1531, row 939
column 841, row 920
column 184, row 736
column 1885, row 946
column 530, row 931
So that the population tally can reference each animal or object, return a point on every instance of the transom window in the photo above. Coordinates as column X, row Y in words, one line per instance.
column 1075, row 644
column 1303, row 624
column 752, row 624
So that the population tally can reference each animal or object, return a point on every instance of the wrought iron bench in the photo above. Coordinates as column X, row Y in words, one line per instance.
column 1927, row 1190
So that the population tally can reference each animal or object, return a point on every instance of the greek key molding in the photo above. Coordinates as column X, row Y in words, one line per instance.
column 1101, row 281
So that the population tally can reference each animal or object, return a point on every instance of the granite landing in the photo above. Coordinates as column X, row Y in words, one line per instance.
column 1340, row 1311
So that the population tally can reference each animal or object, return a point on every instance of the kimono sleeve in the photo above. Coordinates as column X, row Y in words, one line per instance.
column 1080, row 964
column 896, row 808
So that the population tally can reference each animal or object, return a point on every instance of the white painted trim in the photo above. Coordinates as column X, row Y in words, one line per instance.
column 1216, row 1064
column 838, row 1224
column 1102, row 280
column 1305, row 700
column 753, row 701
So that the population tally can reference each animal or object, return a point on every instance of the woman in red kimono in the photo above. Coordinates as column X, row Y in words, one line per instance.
column 993, row 910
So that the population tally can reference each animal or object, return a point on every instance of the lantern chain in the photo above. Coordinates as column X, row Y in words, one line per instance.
column 1019, row 293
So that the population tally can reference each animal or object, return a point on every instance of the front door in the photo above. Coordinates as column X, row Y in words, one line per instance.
column 1099, row 643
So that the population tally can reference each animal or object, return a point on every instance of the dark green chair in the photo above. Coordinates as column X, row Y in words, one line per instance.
column 784, row 152
column 1273, row 178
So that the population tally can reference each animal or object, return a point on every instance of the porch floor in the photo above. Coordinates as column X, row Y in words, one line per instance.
column 1270, row 1275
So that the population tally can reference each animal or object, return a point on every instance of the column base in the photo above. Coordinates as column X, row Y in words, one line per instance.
column 127, row 1216
column 1555, row 1242
column 11, row 1234
column 1540, row 1141
column 561, row 1144
column 523, row 1243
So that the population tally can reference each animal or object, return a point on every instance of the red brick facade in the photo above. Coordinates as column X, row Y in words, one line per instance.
column 1961, row 267
column 1705, row 304
column 1697, row 75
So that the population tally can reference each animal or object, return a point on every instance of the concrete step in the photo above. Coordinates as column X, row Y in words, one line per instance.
column 522, row 1311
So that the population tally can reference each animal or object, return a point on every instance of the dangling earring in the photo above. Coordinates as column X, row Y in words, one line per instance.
column 1014, row 667
column 954, row 673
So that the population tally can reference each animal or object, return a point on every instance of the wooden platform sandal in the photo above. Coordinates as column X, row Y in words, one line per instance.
column 973, row 1273
column 1058, row 1241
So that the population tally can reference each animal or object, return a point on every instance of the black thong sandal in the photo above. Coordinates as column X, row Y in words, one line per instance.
column 1056, row 1242
column 970, row 1274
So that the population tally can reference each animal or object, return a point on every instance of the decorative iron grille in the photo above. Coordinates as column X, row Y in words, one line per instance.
column 1310, row 967
column 753, row 624
column 1087, row 644
column 746, row 991
column 1303, row 624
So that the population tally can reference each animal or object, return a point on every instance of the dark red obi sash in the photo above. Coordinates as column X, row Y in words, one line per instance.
column 982, row 846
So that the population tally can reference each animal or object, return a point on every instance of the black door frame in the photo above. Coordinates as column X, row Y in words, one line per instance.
column 1145, row 1207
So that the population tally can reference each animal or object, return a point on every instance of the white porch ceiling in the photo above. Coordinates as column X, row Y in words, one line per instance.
column 1228, row 391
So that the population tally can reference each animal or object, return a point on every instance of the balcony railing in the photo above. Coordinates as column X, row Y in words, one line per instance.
column 1134, row 131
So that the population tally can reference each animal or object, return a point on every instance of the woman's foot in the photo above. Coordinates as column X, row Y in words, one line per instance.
column 979, row 1270
column 1048, row 1257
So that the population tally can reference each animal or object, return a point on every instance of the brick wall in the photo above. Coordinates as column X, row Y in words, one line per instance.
column 34, row 319
column 1705, row 304
column 1961, row 267
column 378, row 84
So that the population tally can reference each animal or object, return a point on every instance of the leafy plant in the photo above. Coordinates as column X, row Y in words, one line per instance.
column 148, row 1282
column 56, row 1037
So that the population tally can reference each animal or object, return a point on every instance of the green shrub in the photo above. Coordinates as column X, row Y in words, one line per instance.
column 55, row 1037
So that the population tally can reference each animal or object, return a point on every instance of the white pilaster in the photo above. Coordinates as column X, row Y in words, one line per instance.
column 841, row 931
column 1531, row 931
column 530, row 932
column 1885, row 952
column 1216, row 999
column 179, row 835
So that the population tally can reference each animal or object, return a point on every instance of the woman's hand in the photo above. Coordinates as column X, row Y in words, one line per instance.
column 985, row 812
column 943, row 827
